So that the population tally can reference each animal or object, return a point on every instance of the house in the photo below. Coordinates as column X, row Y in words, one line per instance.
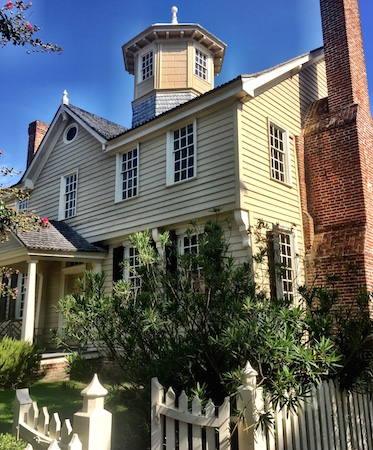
column 250, row 147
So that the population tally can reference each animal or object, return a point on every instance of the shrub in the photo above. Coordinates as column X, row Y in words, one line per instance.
column 19, row 363
column 80, row 369
column 9, row 442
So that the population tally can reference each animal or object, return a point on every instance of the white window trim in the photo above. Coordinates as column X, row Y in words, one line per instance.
column 208, row 63
column 126, row 272
column 72, row 125
column 287, row 162
column 19, row 202
column 170, row 168
column 20, row 302
column 61, row 209
column 292, row 232
column 180, row 238
column 118, row 176
column 139, row 63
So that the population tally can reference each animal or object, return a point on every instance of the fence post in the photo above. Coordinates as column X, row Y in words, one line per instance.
column 157, row 391
column 93, row 423
column 21, row 406
column 249, row 400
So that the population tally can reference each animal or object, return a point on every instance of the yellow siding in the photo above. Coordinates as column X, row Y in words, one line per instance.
column 173, row 70
column 287, row 103
column 99, row 217
column 50, row 297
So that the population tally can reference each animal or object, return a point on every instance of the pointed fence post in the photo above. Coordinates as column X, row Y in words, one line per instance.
column 93, row 423
column 21, row 406
column 75, row 443
column 249, row 401
column 157, row 392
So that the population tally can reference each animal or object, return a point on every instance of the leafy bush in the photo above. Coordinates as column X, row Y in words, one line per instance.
column 199, row 321
column 19, row 363
column 80, row 369
column 9, row 442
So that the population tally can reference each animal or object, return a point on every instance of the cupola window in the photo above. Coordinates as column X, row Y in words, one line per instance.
column 147, row 65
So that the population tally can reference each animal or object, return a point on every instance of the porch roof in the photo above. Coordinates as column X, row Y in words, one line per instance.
column 56, row 242
column 58, row 236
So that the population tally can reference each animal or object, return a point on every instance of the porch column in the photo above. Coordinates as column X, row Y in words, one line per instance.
column 28, row 318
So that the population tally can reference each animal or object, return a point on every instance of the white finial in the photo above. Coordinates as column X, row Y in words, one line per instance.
column 65, row 100
column 174, row 17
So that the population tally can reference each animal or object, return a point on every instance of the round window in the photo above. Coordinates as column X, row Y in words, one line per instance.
column 70, row 133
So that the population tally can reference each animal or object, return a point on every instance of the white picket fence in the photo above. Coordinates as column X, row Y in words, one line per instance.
column 42, row 431
column 330, row 420
column 184, row 426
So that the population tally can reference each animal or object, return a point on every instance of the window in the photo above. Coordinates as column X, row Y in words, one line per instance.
column 285, row 264
column 181, row 154
column 12, row 308
column 129, row 174
column 22, row 205
column 201, row 64
column 68, row 196
column 70, row 133
column 147, row 65
column 21, row 295
column 133, row 266
column 189, row 244
column 279, row 153
column 191, row 270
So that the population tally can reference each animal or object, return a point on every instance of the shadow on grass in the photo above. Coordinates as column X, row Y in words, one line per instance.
column 130, row 409
column 62, row 397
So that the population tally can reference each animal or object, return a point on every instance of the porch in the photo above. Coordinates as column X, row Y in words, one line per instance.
column 45, row 263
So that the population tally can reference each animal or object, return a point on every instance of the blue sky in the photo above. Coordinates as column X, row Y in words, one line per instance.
column 259, row 34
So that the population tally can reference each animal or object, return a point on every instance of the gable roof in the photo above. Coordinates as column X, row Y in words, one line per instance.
column 103, row 127
column 59, row 236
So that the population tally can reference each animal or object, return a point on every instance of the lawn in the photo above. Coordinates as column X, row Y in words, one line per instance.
column 62, row 397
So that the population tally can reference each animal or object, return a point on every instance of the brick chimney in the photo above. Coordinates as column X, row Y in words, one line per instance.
column 36, row 132
column 338, row 157
column 344, row 53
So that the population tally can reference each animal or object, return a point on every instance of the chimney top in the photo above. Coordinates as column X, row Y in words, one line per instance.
column 36, row 133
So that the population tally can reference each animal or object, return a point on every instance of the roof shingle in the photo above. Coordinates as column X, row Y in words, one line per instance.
column 57, row 237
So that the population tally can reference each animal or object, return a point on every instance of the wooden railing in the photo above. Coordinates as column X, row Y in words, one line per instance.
column 11, row 328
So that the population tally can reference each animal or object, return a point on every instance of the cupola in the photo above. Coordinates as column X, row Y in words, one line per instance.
column 172, row 64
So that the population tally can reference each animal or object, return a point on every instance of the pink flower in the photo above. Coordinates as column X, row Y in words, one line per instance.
column 29, row 26
column 30, row 4
column 45, row 222
column 9, row 5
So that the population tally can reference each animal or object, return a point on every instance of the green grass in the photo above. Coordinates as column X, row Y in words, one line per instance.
column 62, row 397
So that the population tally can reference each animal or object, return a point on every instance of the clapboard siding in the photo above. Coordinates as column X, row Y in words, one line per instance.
column 99, row 217
column 286, row 104
column 51, row 296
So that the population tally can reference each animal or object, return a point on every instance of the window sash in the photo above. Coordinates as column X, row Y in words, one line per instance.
column 147, row 65
column 278, row 152
column 201, row 65
column 23, row 205
column 129, row 174
column 70, row 195
column 133, row 265
column 286, row 265
column 183, row 153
